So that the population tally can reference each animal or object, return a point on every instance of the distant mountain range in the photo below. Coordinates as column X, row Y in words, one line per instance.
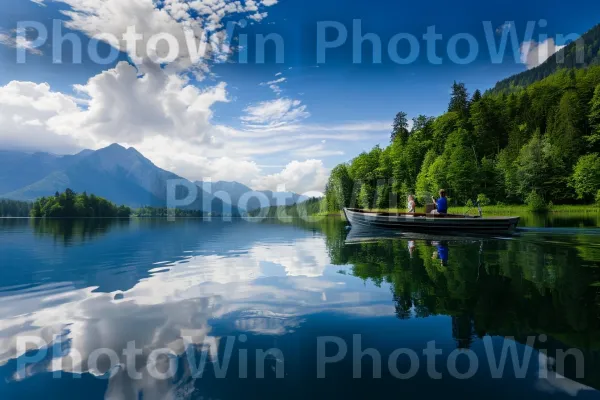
column 236, row 191
column 123, row 176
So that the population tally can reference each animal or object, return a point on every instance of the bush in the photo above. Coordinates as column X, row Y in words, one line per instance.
column 586, row 176
column 470, row 203
column 536, row 202
column 598, row 198
column 483, row 200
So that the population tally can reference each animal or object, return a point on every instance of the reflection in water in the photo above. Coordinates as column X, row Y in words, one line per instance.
column 188, row 286
column 72, row 230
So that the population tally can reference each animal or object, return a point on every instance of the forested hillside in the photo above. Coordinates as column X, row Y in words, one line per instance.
column 536, row 145
column 565, row 58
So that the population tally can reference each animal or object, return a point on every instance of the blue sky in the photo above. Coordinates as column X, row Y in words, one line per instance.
column 264, row 124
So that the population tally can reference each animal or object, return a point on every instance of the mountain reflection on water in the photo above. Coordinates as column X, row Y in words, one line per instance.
column 85, row 285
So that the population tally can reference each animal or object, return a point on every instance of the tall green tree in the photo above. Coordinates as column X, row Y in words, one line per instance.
column 487, row 128
column 339, row 188
column 567, row 127
column 459, row 100
column 400, row 127
column 593, row 139
column 586, row 177
column 541, row 170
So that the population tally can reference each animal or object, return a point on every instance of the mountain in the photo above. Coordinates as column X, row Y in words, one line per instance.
column 591, row 56
column 19, row 169
column 121, row 175
column 233, row 192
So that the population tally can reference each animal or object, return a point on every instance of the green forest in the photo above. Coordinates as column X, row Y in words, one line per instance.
column 536, row 145
column 72, row 205
column 14, row 209
column 303, row 209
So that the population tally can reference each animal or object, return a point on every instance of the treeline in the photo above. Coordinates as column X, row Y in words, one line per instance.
column 583, row 52
column 306, row 208
column 72, row 205
column 535, row 145
column 13, row 208
column 163, row 212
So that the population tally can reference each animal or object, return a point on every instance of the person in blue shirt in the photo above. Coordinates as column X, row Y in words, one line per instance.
column 441, row 204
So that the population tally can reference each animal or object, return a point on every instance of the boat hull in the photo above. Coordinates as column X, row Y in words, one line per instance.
column 430, row 222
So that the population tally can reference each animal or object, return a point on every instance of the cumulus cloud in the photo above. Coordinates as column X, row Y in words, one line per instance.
column 297, row 176
column 275, row 113
column 169, row 120
column 163, row 113
column 535, row 53
column 26, row 111
column 197, row 26
column 128, row 107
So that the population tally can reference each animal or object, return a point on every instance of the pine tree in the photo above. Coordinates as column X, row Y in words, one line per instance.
column 400, row 128
column 459, row 100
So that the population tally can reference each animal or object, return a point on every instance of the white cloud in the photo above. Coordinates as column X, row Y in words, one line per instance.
column 317, row 150
column 258, row 16
column 128, row 107
column 504, row 27
column 275, row 113
column 534, row 53
column 19, row 42
column 160, row 111
column 275, row 82
column 202, row 18
column 25, row 111
column 170, row 121
column 274, row 85
column 297, row 176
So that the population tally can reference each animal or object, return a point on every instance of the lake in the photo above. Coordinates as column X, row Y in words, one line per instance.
column 151, row 309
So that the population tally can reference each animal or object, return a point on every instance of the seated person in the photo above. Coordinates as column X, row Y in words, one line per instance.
column 411, row 204
column 441, row 204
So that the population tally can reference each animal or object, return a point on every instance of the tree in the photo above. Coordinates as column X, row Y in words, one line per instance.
column 517, row 145
column 462, row 168
column 486, row 122
column 540, row 170
column 476, row 96
column 443, row 126
column 593, row 139
column 567, row 127
column 586, row 176
column 459, row 100
column 400, row 127
column 339, row 188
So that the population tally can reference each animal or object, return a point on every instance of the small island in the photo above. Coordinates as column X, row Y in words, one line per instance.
column 73, row 205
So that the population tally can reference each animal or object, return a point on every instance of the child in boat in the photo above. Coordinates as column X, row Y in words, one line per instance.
column 411, row 204
column 441, row 204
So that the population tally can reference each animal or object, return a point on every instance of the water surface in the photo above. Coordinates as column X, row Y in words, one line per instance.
column 83, row 291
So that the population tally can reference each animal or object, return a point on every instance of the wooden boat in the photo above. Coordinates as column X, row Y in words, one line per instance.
column 430, row 222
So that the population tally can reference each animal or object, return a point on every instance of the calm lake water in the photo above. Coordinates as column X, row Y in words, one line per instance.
column 150, row 309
